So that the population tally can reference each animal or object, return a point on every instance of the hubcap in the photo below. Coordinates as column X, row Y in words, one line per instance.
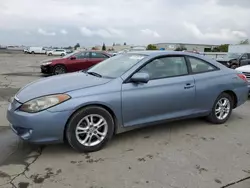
column 91, row 130
column 222, row 108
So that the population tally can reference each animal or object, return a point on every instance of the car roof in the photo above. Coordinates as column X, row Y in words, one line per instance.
column 159, row 52
column 156, row 53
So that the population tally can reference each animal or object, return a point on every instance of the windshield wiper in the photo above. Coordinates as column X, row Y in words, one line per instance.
column 94, row 74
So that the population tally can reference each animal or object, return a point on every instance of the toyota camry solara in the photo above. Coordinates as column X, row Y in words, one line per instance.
column 121, row 93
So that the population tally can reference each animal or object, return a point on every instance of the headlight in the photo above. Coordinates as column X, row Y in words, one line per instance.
column 43, row 103
column 47, row 63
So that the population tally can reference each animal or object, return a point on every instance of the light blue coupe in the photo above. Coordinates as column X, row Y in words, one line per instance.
column 129, row 90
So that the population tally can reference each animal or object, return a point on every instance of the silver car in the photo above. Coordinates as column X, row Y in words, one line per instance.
column 124, row 92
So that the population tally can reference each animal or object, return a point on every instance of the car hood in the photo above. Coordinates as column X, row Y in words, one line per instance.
column 245, row 68
column 49, row 60
column 58, row 84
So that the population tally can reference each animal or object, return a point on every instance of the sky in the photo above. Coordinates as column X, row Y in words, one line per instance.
column 136, row 22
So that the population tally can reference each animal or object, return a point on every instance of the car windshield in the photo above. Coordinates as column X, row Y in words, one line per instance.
column 233, row 55
column 117, row 65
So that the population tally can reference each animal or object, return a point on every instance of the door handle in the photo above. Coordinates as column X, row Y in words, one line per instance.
column 188, row 86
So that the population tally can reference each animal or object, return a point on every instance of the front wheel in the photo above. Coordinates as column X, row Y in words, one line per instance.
column 233, row 66
column 59, row 69
column 90, row 129
column 222, row 109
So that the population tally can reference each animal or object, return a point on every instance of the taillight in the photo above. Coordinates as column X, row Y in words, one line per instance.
column 243, row 77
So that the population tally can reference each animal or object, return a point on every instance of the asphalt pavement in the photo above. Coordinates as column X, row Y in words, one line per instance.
column 183, row 154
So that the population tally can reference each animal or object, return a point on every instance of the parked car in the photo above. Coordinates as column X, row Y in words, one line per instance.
column 57, row 52
column 234, row 60
column 36, row 50
column 125, row 92
column 73, row 62
column 246, row 71
column 68, row 51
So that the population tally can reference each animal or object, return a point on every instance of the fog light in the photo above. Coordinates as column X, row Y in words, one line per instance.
column 26, row 135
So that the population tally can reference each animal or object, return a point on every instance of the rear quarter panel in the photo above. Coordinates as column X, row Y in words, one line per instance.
column 210, row 85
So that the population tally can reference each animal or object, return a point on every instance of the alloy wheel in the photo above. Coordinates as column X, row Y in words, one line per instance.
column 59, row 70
column 222, row 108
column 91, row 130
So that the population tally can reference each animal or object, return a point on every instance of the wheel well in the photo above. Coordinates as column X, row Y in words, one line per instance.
column 234, row 97
column 99, row 105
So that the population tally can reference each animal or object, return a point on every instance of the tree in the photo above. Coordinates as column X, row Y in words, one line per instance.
column 151, row 47
column 103, row 47
column 216, row 49
column 244, row 41
column 125, row 44
column 223, row 47
column 77, row 46
column 180, row 48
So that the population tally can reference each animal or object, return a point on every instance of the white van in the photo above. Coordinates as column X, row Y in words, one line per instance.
column 37, row 50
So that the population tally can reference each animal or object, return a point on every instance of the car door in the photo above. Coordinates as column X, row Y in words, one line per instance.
column 245, row 60
column 97, row 57
column 170, row 93
column 57, row 52
column 206, row 76
column 80, row 61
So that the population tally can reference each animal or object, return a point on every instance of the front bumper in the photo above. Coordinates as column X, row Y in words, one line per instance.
column 46, row 69
column 42, row 127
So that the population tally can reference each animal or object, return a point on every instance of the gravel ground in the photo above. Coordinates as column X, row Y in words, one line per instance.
column 183, row 154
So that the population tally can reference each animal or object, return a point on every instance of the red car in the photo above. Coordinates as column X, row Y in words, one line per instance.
column 73, row 62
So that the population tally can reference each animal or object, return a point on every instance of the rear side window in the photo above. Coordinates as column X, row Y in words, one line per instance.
column 200, row 66
column 82, row 55
column 98, row 55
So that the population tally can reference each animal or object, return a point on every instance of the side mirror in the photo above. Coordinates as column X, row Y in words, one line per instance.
column 72, row 58
column 140, row 78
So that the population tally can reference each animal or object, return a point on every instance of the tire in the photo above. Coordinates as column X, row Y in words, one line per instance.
column 32, row 52
column 107, row 129
column 233, row 66
column 213, row 118
column 50, row 54
column 59, row 69
column 62, row 54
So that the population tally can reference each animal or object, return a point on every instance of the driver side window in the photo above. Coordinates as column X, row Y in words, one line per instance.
column 166, row 67
column 244, row 56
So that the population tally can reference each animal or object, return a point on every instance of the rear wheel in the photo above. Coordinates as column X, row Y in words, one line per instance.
column 90, row 129
column 222, row 109
column 32, row 52
column 59, row 69
column 62, row 54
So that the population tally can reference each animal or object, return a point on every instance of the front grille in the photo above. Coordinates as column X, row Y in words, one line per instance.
column 247, row 74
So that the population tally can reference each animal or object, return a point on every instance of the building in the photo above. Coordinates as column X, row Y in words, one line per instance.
column 118, row 48
column 188, row 46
